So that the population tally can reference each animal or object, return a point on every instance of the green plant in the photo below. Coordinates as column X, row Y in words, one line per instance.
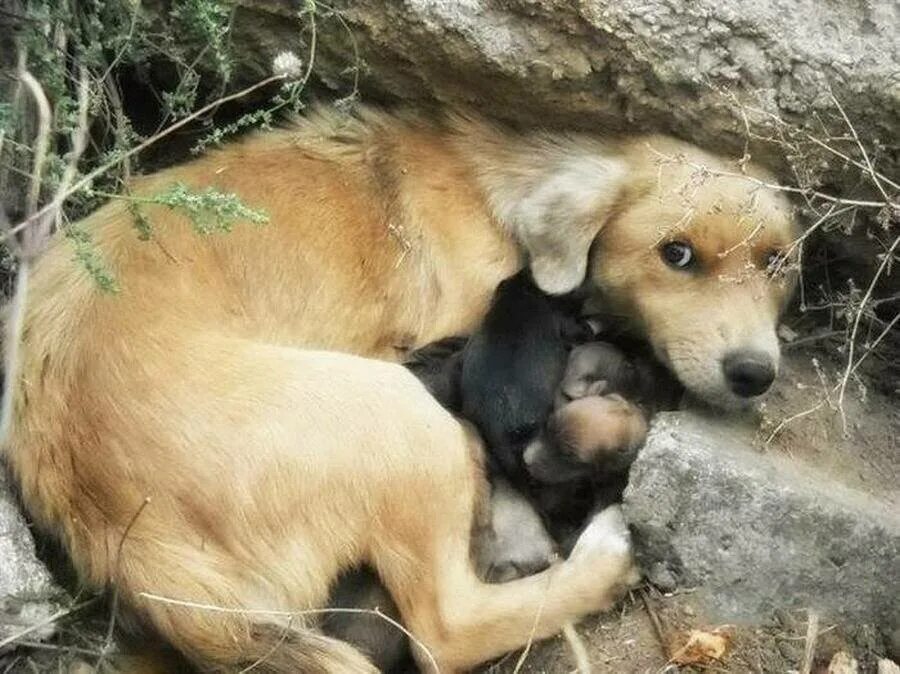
column 65, row 136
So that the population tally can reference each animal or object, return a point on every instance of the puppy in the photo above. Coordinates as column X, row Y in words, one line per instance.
column 627, row 368
column 511, row 368
column 356, row 600
column 603, row 405
column 439, row 367
column 594, row 436
column 514, row 542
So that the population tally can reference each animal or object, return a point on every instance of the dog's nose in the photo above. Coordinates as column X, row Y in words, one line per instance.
column 749, row 373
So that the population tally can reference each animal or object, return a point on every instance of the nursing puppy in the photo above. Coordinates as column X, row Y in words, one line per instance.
column 210, row 383
column 579, row 463
column 359, row 598
column 607, row 395
column 510, row 365
column 625, row 367
column 511, row 368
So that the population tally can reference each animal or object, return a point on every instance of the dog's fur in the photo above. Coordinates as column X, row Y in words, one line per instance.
column 272, row 465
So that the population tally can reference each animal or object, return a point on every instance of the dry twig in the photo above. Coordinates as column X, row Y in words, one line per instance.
column 114, row 605
column 579, row 652
column 812, row 635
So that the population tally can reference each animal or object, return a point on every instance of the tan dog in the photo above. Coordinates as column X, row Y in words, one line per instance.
column 272, row 465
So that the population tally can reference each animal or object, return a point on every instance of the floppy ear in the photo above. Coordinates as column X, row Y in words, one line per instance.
column 554, row 198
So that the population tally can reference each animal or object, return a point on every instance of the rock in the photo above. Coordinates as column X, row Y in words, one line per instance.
column 28, row 596
column 660, row 65
column 755, row 531
column 660, row 575
column 892, row 639
column 843, row 663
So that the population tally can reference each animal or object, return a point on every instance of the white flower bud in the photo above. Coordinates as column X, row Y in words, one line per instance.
column 288, row 64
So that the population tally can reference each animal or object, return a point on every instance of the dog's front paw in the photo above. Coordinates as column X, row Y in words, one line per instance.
column 606, row 538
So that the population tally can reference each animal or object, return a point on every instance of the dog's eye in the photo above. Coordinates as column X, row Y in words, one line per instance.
column 774, row 261
column 678, row 254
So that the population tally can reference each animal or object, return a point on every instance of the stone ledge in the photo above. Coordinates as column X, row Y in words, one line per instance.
column 28, row 595
column 753, row 531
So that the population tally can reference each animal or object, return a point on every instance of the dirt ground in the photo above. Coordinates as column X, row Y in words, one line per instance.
column 866, row 456
column 628, row 642
column 640, row 637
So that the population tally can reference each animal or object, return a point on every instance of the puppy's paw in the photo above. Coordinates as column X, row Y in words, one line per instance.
column 518, row 544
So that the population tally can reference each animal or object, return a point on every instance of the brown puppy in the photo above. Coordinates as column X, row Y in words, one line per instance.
column 603, row 403
column 272, row 466
column 626, row 368
column 594, row 435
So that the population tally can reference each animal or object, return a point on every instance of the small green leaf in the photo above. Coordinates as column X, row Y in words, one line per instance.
column 89, row 257
column 210, row 211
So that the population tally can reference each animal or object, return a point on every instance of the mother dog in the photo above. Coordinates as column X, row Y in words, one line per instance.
column 211, row 384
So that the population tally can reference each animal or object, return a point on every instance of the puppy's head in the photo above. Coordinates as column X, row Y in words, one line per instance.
column 694, row 259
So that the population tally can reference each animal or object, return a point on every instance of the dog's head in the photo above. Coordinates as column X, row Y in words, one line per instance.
column 694, row 257
column 685, row 245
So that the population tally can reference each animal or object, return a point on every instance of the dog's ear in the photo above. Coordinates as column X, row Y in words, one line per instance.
column 554, row 200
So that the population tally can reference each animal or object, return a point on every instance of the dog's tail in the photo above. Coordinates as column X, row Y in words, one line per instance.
column 262, row 647
column 274, row 649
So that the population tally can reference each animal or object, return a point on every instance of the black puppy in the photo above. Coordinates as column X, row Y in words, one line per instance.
column 358, row 598
column 511, row 369
column 439, row 367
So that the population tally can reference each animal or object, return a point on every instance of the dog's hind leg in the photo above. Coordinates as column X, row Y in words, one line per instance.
column 461, row 621
column 205, row 606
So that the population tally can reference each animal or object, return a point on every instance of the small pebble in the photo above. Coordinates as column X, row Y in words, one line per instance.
column 886, row 666
column 660, row 575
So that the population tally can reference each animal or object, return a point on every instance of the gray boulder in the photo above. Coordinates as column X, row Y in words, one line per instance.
column 755, row 531
column 671, row 65
column 28, row 595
